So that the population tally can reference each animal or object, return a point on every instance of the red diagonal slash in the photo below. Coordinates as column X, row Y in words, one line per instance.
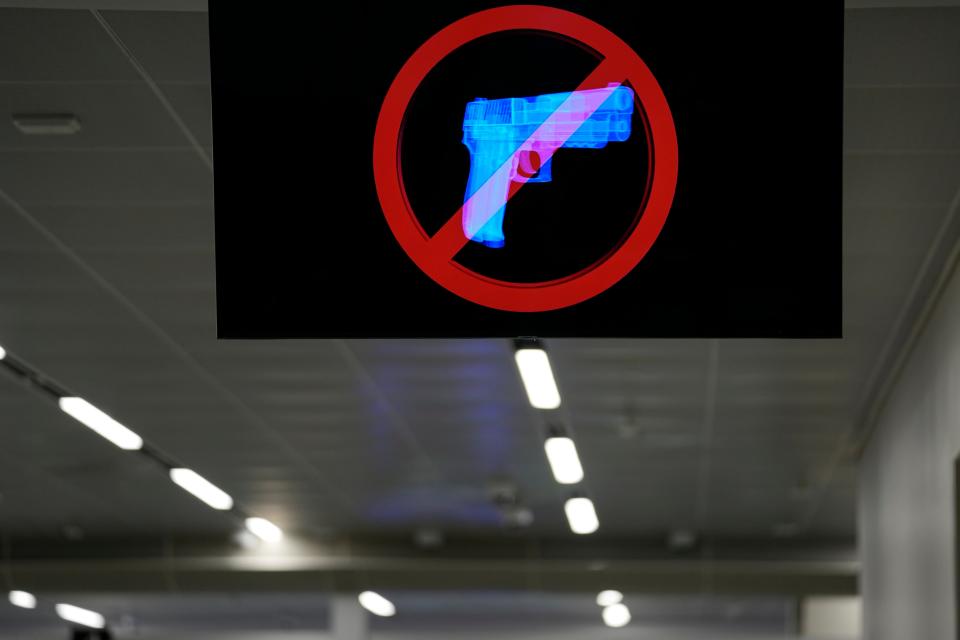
column 450, row 239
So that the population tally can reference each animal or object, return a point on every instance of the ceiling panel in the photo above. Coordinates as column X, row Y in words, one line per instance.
column 192, row 104
column 58, row 46
column 114, row 116
column 85, row 176
column 902, row 47
column 171, row 45
column 901, row 179
column 885, row 119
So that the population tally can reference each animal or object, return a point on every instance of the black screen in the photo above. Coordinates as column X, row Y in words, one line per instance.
column 751, row 246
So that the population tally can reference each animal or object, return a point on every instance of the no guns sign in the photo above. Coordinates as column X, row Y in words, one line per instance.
column 619, row 65
column 601, row 169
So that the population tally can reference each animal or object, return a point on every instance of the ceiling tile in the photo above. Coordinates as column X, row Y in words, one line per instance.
column 97, row 176
column 58, row 46
column 905, row 119
column 171, row 45
column 902, row 47
column 111, row 116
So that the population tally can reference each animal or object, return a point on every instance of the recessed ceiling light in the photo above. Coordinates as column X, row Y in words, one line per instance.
column 202, row 488
column 376, row 604
column 80, row 616
column 564, row 461
column 89, row 415
column 609, row 597
column 23, row 599
column 46, row 124
column 616, row 615
column 581, row 515
column 537, row 376
column 264, row 529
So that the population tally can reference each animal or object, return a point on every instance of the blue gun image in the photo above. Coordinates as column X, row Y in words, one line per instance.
column 526, row 132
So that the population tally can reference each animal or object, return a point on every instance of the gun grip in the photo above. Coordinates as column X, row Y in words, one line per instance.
column 485, row 201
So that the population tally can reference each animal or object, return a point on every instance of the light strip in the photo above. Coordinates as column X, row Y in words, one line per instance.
column 581, row 515
column 97, row 420
column 564, row 461
column 23, row 599
column 80, row 616
column 264, row 529
column 609, row 597
column 3, row 353
column 202, row 488
column 616, row 615
column 537, row 378
column 376, row 604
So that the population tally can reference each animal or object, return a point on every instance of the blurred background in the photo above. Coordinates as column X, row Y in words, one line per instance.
column 402, row 489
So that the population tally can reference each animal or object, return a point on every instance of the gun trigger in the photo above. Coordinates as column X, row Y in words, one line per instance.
column 528, row 164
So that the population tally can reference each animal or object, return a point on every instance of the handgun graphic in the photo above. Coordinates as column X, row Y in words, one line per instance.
column 525, row 132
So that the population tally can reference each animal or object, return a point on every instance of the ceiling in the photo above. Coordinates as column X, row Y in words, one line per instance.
column 107, row 286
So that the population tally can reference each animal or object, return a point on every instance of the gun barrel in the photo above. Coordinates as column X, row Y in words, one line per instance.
column 517, row 118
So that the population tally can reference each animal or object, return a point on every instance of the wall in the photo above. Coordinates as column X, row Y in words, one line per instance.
column 906, row 490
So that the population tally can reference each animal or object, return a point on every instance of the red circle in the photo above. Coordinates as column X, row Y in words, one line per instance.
column 498, row 294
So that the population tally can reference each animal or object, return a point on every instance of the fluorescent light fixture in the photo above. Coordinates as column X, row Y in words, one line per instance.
column 564, row 461
column 376, row 604
column 202, row 488
column 3, row 353
column 89, row 415
column 264, row 529
column 581, row 515
column 616, row 615
column 537, row 378
column 23, row 600
column 609, row 597
column 83, row 617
